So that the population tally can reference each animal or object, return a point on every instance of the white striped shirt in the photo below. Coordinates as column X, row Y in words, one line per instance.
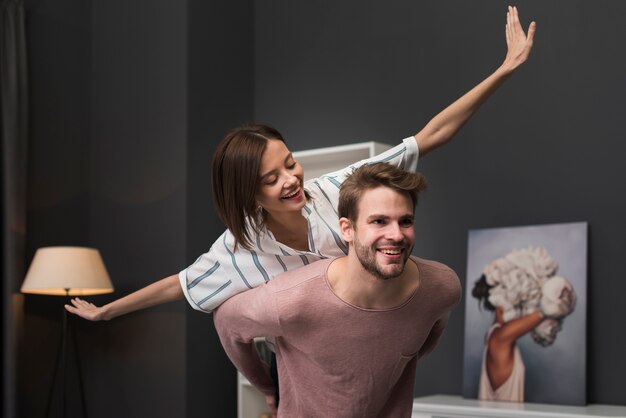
column 223, row 272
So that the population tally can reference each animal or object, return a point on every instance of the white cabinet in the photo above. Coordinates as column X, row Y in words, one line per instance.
column 250, row 402
column 445, row 406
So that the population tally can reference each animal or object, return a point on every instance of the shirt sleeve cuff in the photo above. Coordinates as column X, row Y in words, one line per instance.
column 412, row 154
column 182, row 278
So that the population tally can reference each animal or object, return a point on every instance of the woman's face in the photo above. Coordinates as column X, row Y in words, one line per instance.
column 281, row 180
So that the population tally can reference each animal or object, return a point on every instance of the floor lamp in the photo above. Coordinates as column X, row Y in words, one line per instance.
column 67, row 271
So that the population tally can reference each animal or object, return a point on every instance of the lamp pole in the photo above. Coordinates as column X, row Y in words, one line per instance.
column 61, row 363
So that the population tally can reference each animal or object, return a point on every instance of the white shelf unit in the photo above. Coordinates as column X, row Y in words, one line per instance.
column 325, row 160
column 446, row 406
column 250, row 402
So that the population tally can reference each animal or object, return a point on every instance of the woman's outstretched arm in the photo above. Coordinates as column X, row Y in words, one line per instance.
column 162, row 291
column 448, row 122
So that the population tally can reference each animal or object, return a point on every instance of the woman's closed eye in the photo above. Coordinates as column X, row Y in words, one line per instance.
column 269, row 181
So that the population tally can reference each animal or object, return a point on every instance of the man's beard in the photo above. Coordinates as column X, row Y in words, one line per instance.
column 367, row 258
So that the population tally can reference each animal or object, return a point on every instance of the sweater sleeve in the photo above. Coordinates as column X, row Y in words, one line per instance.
column 238, row 321
column 446, row 295
column 434, row 336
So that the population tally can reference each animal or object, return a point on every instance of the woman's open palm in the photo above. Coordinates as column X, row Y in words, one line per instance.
column 518, row 43
column 85, row 310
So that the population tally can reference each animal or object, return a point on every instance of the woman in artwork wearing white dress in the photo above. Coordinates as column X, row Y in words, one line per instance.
column 542, row 305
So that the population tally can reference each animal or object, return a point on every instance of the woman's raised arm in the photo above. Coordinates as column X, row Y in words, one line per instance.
column 449, row 121
column 510, row 331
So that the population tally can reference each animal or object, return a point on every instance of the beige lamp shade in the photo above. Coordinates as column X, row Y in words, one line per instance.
column 77, row 271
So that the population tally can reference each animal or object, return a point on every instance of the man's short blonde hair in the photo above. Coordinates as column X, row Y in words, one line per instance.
column 371, row 176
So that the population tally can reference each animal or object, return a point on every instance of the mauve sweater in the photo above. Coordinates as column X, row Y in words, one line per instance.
column 335, row 359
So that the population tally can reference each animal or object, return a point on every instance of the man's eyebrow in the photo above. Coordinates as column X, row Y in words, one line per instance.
column 382, row 216
column 377, row 216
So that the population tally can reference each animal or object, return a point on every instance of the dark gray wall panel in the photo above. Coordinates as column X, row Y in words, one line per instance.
column 57, row 199
column 137, row 182
column 107, row 169
column 220, row 97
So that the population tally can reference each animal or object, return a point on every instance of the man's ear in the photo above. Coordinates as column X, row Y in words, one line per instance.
column 345, row 227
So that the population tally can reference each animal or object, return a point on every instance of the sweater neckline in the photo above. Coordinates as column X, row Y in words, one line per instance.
column 359, row 308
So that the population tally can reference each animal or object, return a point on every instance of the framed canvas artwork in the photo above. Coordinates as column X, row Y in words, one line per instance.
column 525, row 314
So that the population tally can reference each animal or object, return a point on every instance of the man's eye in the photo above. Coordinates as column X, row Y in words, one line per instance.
column 292, row 165
column 406, row 222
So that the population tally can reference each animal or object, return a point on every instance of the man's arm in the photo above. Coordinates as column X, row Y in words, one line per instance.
column 447, row 123
column 238, row 321
column 433, row 337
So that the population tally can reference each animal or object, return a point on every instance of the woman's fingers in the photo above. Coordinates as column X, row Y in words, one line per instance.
column 79, row 303
column 531, row 31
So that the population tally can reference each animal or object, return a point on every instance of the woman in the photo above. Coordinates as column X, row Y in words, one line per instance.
column 502, row 374
column 275, row 222
column 525, row 295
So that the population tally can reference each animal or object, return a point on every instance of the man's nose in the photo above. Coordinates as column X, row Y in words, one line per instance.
column 394, row 232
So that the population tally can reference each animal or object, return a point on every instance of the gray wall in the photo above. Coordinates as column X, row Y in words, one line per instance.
column 547, row 148
column 129, row 99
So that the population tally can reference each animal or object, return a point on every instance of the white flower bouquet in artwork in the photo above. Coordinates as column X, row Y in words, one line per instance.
column 525, row 281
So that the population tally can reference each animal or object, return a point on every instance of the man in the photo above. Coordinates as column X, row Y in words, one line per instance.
column 349, row 331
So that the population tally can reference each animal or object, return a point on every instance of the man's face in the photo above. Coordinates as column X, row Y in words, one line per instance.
column 383, row 235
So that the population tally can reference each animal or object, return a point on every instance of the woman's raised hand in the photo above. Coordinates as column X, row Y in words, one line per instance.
column 518, row 43
column 86, row 310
